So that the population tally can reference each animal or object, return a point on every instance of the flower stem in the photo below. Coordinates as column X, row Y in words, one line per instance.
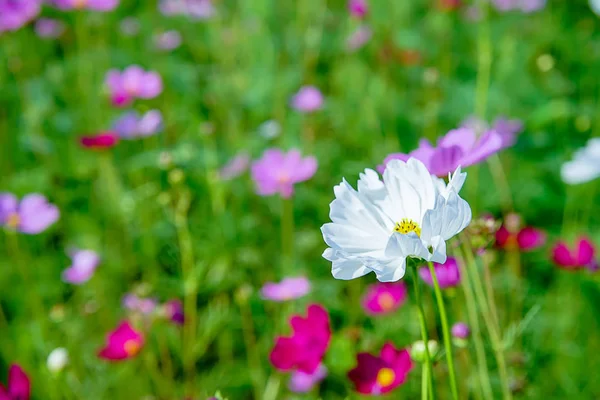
column 446, row 331
column 427, row 366
column 287, row 234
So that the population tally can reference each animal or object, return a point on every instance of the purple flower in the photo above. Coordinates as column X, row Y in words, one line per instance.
column 507, row 129
column 302, row 382
column 358, row 8
column 96, row 5
column 33, row 214
column 16, row 13
column 139, row 304
column 235, row 167
column 287, row 289
column 277, row 172
column 359, row 38
column 83, row 265
column 48, row 28
column 448, row 274
column 167, row 41
column 132, row 126
column 196, row 9
column 132, row 83
column 526, row 6
column 461, row 330
column 174, row 311
column 308, row 99
column 384, row 297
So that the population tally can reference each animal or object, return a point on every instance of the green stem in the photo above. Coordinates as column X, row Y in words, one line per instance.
column 427, row 365
column 253, row 354
column 287, row 234
column 446, row 331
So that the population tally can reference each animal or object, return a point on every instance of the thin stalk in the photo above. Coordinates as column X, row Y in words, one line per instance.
column 427, row 365
column 253, row 355
column 287, row 234
column 446, row 331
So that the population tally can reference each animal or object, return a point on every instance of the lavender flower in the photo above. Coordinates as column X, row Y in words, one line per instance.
column 132, row 126
column 235, row 167
column 277, row 172
column 16, row 13
column 448, row 274
column 308, row 99
column 287, row 289
column 95, row 5
column 302, row 382
column 48, row 28
column 32, row 215
column 195, row 9
column 167, row 41
column 132, row 83
column 82, row 268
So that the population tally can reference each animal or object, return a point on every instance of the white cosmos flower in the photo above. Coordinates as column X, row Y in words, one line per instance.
column 585, row 165
column 410, row 214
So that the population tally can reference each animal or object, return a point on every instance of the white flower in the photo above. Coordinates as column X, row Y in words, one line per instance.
column 595, row 6
column 410, row 214
column 585, row 165
column 57, row 359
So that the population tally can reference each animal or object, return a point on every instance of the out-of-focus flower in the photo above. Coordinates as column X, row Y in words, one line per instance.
column 595, row 6
column 269, row 129
column 96, row 5
column 139, row 304
column 130, row 26
column 375, row 375
column 16, row 13
column 57, row 359
column 302, row 382
column 581, row 256
column 32, row 215
column 417, row 350
column 287, row 289
column 526, row 6
column 513, row 236
column 83, row 265
column 307, row 99
column 276, row 172
column 358, row 8
column 18, row 385
column 384, row 298
column 122, row 343
column 448, row 274
column 359, row 38
column 48, row 28
column 450, row 5
column 167, row 41
column 100, row 141
column 235, row 167
column 410, row 214
column 305, row 348
column 461, row 330
column 132, row 125
column 195, row 9
column 174, row 311
column 585, row 165
column 132, row 83
column 482, row 232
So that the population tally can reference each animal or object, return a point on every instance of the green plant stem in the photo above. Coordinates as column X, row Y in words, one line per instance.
column 287, row 234
column 252, row 353
column 427, row 365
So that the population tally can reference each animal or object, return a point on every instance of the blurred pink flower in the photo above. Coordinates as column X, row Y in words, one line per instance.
column 100, row 141
column 277, row 172
column 18, row 385
column 375, row 375
column 581, row 256
column 141, row 305
column 82, row 268
column 122, row 343
column 132, row 83
column 304, row 350
column 302, row 382
column 48, row 28
column 195, row 9
column 167, row 41
column 461, row 330
column 16, row 13
column 507, row 129
column 174, row 311
column 526, row 6
column 448, row 274
column 525, row 239
column 235, row 167
column 96, row 5
column 287, row 289
column 359, row 38
column 132, row 125
column 384, row 298
column 32, row 215
column 307, row 99
column 358, row 8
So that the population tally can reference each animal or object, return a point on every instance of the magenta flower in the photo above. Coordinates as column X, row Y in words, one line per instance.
column 287, row 289
column 48, row 28
column 461, row 330
column 307, row 99
column 174, row 311
column 304, row 350
column 525, row 239
column 359, row 38
column 18, row 386
column 235, row 167
column 358, row 8
column 460, row 147
column 167, row 41
column 277, row 172
column 141, row 305
column 32, row 215
column 132, row 126
column 375, row 375
column 95, row 5
column 581, row 256
column 302, row 382
column 448, row 274
column 132, row 83
column 100, row 141
column 16, row 13
column 83, row 265
column 384, row 298
column 122, row 343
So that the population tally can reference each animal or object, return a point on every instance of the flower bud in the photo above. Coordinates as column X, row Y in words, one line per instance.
column 57, row 359
column 417, row 350
column 460, row 334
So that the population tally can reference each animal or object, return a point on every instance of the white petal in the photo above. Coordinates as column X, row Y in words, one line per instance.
column 406, row 245
column 449, row 217
column 344, row 268
column 439, row 250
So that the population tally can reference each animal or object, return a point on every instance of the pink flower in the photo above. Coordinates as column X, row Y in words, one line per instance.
column 384, row 298
column 100, row 141
column 525, row 239
column 448, row 274
column 308, row 99
column 582, row 255
column 359, row 38
column 287, row 289
column 461, row 330
column 304, row 350
column 375, row 375
column 358, row 8
column 277, row 172
column 95, row 5
column 167, row 41
column 18, row 386
column 48, row 28
column 16, row 13
column 132, row 83
column 139, row 304
column 235, row 167
column 32, row 215
column 174, row 311
column 122, row 343
column 302, row 382
column 84, row 263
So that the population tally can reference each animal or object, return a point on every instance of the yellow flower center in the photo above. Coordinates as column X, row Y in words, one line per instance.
column 79, row 3
column 385, row 377
column 406, row 226
column 386, row 301
column 13, row 220
column 132, row 347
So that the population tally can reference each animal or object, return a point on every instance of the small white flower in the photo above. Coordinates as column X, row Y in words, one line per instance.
column 585, row 165
column 57, row 359
column 410, row 214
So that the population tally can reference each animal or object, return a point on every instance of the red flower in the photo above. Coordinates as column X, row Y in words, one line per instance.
column 18, row 387
column 378, row 375
column 525, row 239
column 582, row 255
column 122, row 343
column 100, row 141
column 305, row 349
